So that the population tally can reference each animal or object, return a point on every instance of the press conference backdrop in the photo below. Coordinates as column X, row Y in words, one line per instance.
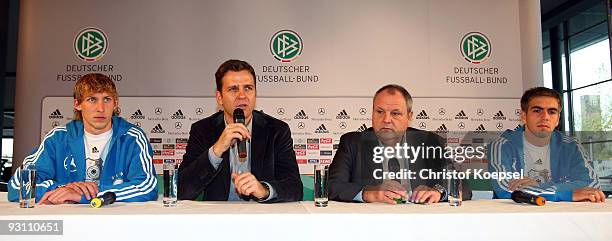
column 471, row 58
column 315, row 127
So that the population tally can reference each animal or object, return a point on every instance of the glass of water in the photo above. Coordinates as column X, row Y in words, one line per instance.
column 170, row 172
column 27, row 187
column 454, row 189
column 320, row 185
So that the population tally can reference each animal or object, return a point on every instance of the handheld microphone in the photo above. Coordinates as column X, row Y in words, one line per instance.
column 105, row 199
column 242, row 150
column 523, row 197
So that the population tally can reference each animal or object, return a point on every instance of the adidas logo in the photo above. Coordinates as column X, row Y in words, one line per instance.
column 343, row 115
column 137, row 115
column 56, row 115
column 517, row 127
column 321, row 129
column 499, row 116
column 158, row 129
column 361, row 128
column 94, row 150
column 442, row 129
column 422, row 115
column 481, row 128
column 178, row 115
column 300, row 115
column 538, row 162
column 461, row 116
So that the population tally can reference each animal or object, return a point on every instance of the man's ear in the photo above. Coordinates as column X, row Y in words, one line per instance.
column 76, row 105
column 116, row 109
column 558, row 120
column 219, row 98
column 524, row 117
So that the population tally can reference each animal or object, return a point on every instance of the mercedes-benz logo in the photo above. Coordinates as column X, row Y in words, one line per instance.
column 499, row 125
column 517, row 112
column 461, row 125
column 158, row 111
column 178, row 125
column 199, row 111
column 363, row 111
column 479, row 111
column 280, row 111
column 137, row 123
column 321, row 111
column 342, row 125
column 301, row 125
column 442, row 111
column 422, row 125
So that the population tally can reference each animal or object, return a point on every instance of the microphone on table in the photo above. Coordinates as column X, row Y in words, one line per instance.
column 242, row 150
column 523, row 197
column 105, row 199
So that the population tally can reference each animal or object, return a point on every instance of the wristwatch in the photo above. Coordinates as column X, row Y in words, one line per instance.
column 442, row 191
column 267, row 187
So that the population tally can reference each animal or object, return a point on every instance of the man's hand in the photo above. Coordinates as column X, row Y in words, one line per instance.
column 588, row 194
column 246, row 184
column 385, row 192
column 60, row 196
column 425, row 194
column 228, row 137
column 89, row 189
column 521, row 183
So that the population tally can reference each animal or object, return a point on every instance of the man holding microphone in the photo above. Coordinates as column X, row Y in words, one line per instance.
column 252, row 160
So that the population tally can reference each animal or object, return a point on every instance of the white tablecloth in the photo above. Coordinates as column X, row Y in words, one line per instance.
column 475, row 220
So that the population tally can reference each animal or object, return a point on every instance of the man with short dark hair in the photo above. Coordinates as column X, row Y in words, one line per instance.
column 354, row 175
column 97, row 152
column 555, row 165
column 211, row 166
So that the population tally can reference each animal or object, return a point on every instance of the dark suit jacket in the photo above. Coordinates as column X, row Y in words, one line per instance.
column 272, row 160
column 353, row 167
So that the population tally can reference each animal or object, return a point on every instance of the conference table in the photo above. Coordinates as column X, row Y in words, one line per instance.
column 193, row 220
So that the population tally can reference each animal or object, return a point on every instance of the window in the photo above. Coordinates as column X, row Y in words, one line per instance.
column 592, row 108
column 585, row 86
column 586, row 79
column 7, row 149
column 591, row 63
